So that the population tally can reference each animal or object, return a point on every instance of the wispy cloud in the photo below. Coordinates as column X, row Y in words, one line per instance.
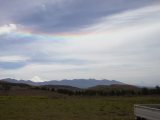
column 13, row 58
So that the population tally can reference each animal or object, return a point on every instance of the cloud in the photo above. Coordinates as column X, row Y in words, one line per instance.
column 37, row 79
column 130, row 18
column 13, row 58
column 75, row 15
column 5, row 29
column 13, row 62
column 11, row 65
column 47, row 16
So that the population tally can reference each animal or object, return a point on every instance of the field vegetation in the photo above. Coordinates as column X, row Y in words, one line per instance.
column 70, row 108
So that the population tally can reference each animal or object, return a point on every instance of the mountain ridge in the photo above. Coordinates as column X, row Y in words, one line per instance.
column 80, row 83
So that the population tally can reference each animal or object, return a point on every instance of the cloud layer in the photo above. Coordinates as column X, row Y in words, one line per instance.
column 81, row 39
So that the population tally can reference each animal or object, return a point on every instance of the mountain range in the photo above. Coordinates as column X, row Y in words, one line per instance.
column 80, row 83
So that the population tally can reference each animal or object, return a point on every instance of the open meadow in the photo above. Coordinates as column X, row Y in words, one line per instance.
column 70, row 108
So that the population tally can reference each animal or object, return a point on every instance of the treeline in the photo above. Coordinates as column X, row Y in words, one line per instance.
column 112, row 92
column 89, row 92
column 5, row 87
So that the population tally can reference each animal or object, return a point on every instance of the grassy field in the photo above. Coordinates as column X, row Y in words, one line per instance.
column 70, row 108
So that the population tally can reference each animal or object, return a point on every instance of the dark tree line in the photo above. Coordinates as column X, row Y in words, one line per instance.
column 5, row 87
column 112, row 92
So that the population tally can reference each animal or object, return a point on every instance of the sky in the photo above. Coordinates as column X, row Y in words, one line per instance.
column 71, row 39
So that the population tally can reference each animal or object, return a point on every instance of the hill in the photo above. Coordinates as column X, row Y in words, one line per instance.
column 56, row 87
column 3, row 83
column 107, row 90
column 114, row 87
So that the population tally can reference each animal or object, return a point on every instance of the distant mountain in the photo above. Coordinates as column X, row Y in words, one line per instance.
column 80, row 83
column 84, row 83
column 29, row 82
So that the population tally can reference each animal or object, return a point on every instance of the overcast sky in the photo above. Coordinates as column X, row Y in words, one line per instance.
column 66, row 39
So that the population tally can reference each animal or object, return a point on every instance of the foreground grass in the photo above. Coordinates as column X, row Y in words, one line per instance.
column 71, row 108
